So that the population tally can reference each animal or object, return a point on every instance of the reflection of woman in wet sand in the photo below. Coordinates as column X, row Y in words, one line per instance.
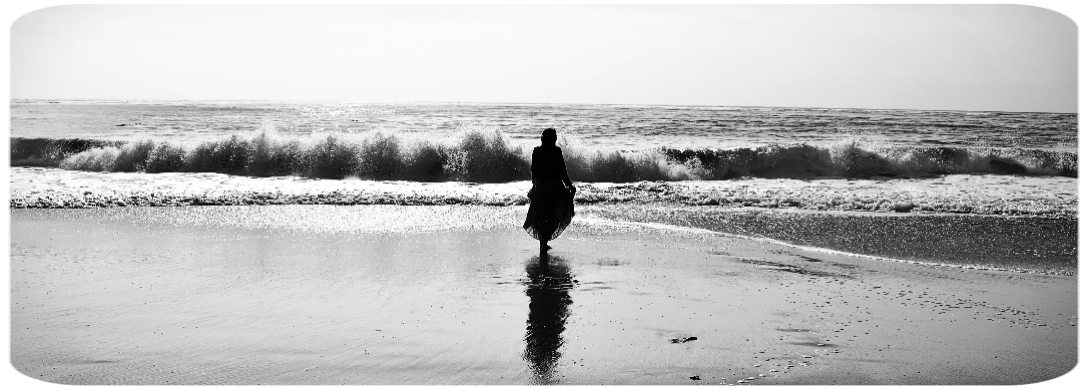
column 551, row 200
column 548, row 285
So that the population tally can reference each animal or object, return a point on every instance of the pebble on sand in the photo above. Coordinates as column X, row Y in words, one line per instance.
column 683, row 340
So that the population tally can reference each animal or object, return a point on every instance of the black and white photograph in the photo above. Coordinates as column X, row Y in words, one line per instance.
column 538, row 194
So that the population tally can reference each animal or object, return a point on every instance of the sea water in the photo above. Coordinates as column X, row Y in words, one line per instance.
column 672, row 163
column 613, row 127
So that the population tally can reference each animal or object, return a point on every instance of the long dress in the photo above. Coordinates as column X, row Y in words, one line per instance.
column 551, row 205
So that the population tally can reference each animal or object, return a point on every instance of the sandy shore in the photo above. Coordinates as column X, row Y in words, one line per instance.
column 455, row 295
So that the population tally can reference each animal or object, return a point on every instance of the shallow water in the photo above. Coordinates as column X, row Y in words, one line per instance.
column 1046, row 245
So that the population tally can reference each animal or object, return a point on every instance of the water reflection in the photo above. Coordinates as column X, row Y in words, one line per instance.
column 547, row 284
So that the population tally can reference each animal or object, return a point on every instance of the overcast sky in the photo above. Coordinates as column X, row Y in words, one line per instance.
column 976, row 57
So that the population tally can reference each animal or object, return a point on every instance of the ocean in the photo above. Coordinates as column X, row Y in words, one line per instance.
column 994, row 190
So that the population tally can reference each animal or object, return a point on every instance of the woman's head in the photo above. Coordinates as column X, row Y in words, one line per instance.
column 548, row 136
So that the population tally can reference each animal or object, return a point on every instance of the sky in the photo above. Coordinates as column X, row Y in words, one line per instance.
column 953, row 57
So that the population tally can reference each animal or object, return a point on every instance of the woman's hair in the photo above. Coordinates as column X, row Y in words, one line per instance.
column 548, row 135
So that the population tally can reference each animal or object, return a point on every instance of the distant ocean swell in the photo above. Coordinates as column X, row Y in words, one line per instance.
column 488, row 156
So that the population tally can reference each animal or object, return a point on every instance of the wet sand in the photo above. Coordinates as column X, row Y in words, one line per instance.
column 456, row 295
column 1016, row 244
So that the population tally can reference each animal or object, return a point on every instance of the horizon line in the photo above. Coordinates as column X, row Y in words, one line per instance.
column 535, row 103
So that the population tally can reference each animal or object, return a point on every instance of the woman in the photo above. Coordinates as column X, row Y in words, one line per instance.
column 551, row 200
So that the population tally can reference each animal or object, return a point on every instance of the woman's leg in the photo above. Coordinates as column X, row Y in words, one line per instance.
column 546, row 230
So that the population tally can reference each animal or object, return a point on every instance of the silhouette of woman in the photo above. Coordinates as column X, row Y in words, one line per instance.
column 551, row 200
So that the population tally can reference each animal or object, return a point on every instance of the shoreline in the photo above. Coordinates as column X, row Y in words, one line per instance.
column 1000, row 243
column 383, row 295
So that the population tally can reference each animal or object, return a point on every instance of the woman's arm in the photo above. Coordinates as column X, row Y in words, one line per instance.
column 563, row 170
column 533, row 165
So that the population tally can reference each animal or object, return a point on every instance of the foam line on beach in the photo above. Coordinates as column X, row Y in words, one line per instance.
column 763, row 239
column 880, row 258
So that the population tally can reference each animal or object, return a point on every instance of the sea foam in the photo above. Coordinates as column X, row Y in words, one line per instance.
column 1039, row 196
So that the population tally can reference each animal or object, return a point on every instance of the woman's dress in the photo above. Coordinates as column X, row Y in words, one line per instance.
column 551, row 204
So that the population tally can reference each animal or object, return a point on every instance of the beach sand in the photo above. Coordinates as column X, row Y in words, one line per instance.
column 460, row 295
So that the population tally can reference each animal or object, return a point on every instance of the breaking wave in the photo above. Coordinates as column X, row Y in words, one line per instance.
column 851, row 160
column 488, row 156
